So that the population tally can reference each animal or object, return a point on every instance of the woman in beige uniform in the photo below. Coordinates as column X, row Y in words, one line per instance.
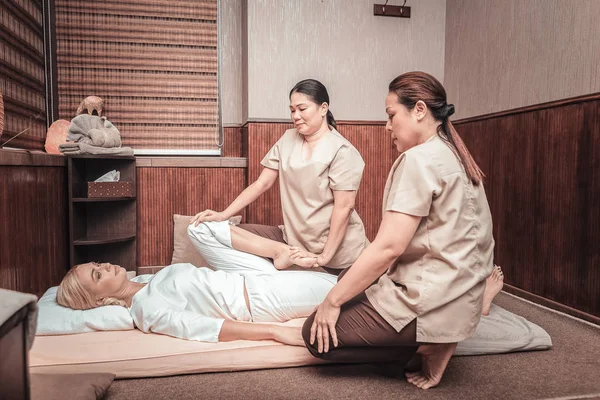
column 319, row 174
column 431, row 255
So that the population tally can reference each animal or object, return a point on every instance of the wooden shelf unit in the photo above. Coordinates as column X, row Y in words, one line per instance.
column 101, row 229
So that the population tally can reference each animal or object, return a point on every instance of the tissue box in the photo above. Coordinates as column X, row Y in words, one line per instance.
column 110, row 189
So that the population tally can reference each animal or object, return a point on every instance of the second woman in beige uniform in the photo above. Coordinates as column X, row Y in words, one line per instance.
column 319, row 174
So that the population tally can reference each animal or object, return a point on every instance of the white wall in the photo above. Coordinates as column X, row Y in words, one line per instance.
column 231, row 61
column 339, row 42
column 513, row 53
column 342, row 44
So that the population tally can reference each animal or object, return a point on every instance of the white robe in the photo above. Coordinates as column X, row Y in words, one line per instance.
column 190, row 303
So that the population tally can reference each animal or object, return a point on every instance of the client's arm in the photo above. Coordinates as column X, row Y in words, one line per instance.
column 182, row 324
column 189, row 325
column 235, row 330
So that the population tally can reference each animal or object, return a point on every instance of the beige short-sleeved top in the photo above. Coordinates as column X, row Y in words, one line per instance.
column 439, row 279
column 307, row 186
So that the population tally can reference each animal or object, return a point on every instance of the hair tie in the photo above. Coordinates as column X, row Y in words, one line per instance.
column 449, row 110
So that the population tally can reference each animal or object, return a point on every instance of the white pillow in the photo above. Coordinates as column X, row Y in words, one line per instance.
column 54, row 319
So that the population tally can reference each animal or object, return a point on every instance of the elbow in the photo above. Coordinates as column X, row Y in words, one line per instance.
column 264, row 185
column 261, row 186
column 346, row 208
column 392, row 251
column 269, row 185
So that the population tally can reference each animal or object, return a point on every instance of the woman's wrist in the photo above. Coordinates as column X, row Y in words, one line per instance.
column 272, row 332
column 332, row 300
column 226, row 215
column 323, row 259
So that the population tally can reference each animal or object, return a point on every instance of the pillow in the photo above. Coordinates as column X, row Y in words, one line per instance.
column 70, row 386
column 54, row 319
column 183, row 249
column 501, row 332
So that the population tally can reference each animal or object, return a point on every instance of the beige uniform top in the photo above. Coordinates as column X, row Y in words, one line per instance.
column 306, row 192
column 439, row 279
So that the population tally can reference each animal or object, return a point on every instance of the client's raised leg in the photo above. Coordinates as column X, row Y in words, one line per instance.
column 493, row 286
column 251, row 243
column 214, row 242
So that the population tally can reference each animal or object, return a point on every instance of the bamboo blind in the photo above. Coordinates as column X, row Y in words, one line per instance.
column 154, row 62
column 22, row 81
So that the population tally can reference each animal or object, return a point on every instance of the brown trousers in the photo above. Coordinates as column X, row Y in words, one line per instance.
column 363, row 334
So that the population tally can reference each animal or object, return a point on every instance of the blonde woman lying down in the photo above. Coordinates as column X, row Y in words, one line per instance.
column 205, row 305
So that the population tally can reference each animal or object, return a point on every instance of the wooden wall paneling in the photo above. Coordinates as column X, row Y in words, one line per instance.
column 503, row 151
column 375, row 146
column 557, row 221
column 589, row 191
column 261, row 137
column 163, row 192
column 33, row 239
column 232, row 145
column 543, row 187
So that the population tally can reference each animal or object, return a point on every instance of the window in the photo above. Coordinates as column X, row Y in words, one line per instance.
column 155, row 64
column 22, row 80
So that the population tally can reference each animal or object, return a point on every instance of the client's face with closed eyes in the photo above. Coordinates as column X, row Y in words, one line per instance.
column 101, row 280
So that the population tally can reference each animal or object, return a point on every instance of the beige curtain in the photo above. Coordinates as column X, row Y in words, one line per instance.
column 155, row 64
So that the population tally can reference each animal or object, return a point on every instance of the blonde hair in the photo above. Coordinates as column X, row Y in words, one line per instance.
column 72, row 294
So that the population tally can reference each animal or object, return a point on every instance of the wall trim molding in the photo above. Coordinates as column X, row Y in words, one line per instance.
column 533, row 107
column 551, row 304
column 28, row 158
column 191, row 162
column 287, row 121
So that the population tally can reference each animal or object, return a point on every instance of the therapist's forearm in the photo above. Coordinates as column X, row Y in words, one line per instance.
column 371, row 264
column 249, row 194
column 340, row 218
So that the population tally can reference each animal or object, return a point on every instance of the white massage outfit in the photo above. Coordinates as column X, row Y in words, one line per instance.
column 192, row 303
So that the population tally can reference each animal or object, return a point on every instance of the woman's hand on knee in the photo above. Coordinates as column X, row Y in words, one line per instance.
column 323, row 326
column 207, row 216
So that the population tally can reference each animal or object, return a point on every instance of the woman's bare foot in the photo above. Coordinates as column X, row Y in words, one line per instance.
column 493, row 286
column 283, row 257
column 287, row 256
column 303, row 258
column 434, row 358
column 288, row 335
